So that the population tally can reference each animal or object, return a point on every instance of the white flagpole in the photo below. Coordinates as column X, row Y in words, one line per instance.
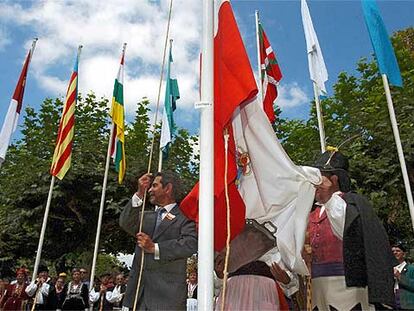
column 43, row 230
column 399, row 147
column 320, row 117
column 103, row 194
column 160, row 156
column 259, row 65
column 101, row 208
column 206, row 190
column 47, row 209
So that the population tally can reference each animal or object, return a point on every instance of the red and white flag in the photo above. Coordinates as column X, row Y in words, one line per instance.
column 234, row 85
column 270, row 74
column 13, row 113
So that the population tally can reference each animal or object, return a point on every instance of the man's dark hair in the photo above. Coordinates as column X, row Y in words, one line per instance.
column 169, row 177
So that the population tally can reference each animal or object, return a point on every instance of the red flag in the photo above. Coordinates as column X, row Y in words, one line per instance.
column 13, row 113
column 270, row 74
column 234, row 84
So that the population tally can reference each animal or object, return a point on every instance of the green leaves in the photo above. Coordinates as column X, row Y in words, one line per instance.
column 71, row 228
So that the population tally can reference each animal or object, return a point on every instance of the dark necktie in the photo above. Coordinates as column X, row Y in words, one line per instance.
column 160, row 213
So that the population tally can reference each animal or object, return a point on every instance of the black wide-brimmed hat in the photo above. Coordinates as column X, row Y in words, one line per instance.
column 332, row 160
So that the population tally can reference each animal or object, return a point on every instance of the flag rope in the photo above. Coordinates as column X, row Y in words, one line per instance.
column 151, row 153
column 226, row 191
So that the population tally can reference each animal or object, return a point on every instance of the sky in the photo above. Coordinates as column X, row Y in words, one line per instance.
column 103, row 26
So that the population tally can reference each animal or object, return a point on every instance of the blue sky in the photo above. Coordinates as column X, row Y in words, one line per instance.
column 102, row 27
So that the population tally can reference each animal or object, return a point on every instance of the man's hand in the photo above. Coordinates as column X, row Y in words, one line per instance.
column 144, row 183
column 102, row 289
column 145, row 242
column 324, row 191
column 279, row 274
column 397, row 274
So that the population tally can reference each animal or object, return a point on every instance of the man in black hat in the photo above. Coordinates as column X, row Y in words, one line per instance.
column 351, row 262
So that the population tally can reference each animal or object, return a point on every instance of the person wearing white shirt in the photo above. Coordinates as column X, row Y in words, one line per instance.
column 39, row 289
column 351, row 263
column 167, row 239
column 404, row 279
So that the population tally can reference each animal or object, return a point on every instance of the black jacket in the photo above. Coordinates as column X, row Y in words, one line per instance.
column 368, row 260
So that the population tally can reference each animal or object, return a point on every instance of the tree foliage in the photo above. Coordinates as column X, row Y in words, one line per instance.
column 71, row 228
column 358, row 108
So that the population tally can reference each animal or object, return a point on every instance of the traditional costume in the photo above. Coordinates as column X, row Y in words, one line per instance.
column 76, row 296
column 15, row 297
column 351, row 262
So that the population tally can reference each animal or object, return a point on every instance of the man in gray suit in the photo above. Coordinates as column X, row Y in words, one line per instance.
column 168, row 238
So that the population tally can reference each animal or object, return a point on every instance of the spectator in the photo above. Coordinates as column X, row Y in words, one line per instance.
column 15, row 297
column 75, row 293
column 404, row 279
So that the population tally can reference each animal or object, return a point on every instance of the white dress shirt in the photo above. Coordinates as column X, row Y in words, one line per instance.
column 136, row 202
column 335, row 210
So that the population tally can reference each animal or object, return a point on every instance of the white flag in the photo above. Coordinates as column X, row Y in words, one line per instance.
column 273, row 188
column 317, row 68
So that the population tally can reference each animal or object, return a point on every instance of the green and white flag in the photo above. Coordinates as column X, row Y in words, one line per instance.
column 172, row 94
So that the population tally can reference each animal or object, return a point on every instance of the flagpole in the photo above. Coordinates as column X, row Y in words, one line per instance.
column 399, row 147
column 101, row 207
column 320, row 117
column 259, row 65
column 46, row 214
column 103, row 194
column 206, row 186
column 43, row 230
column 160, row 155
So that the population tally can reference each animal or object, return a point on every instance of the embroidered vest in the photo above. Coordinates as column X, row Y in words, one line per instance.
column 327, row 249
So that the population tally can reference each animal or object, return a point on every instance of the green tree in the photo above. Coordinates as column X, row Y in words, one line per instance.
column 358, row 108
column 71, row 229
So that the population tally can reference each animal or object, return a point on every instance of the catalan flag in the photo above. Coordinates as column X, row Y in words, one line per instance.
column 63, row 150
column 118, row 116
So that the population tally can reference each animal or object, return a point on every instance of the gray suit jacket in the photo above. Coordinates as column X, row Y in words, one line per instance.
column 163, row 283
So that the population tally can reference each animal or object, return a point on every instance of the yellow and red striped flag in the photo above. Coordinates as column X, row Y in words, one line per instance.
column 63, row 150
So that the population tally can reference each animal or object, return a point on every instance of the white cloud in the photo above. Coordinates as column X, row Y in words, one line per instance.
column 4, row 38
column 291, row 95
column 102, row 27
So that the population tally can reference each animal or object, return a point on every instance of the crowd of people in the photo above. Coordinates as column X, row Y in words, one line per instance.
column 62, row 292
column 347, row 252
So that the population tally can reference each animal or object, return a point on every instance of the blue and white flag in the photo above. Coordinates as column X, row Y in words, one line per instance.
column 172, row 94
column 387, row 62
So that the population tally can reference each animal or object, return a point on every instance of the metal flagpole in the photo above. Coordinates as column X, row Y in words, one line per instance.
column 101, row 207
column 47, row 209
column 259, row 64
column 206, row 186
column 43, row 230
column 320, row 117
column 160, row 155
column 102, row 204
column 399, row 147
